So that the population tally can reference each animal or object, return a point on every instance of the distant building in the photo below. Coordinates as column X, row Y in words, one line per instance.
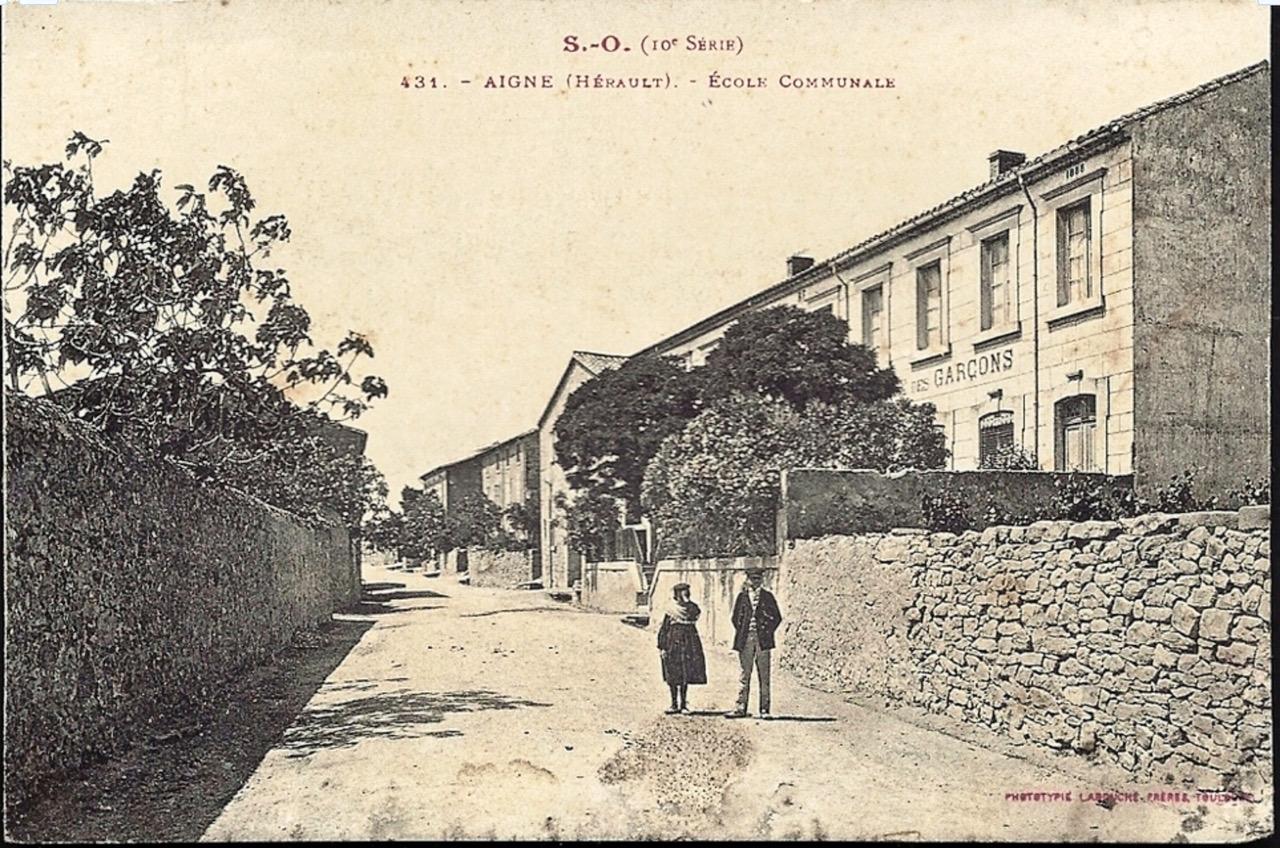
column 1104, row 305
column 505, row 472
column 561, row 565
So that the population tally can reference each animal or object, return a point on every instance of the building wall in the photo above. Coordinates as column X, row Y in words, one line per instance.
column 1144, row 643
column 554, row 546
column 463, row 479
column 132, row 591
column 1202, row 230
column 1095, row 346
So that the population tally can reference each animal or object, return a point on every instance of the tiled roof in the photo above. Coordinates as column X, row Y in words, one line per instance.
column 1111, row 130
column 597, row 362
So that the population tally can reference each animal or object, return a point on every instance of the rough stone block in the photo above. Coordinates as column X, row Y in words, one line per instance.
column 1254, row 517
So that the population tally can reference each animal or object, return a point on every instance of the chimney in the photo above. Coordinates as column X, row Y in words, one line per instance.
column 1003, row 161
column 798, row 263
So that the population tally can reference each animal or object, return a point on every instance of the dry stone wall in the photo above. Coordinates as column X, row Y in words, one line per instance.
column 500, row 569
column 131, row 591
column 1145, row 643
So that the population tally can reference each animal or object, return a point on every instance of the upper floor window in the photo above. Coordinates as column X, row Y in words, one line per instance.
column 997, row 307
column 1075, row 426
column 929, row 306
column 872, row 313
column 1075, row 282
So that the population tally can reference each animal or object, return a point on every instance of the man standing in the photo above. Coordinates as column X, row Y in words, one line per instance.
column 755, row 617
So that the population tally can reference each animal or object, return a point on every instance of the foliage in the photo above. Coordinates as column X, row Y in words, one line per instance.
column 474, row 522
column 422, row 526
column 786, row 353
column 1009, row 457
column 169, row 326
column 612, row 425
column 1250, row 493
column 591, row 524
column 520, row 524
column 1084, row 497
column 713, row 489
column 383, row 528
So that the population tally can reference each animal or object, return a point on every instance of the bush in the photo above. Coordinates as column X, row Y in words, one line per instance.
column 1009, row 457
column 713, row 489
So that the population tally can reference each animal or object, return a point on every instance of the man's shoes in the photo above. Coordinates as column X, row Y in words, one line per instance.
column 672, row 710
column 684, row 709
column 736, row 714
column 765, row 715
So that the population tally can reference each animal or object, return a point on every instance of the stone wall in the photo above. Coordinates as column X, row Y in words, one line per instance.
column 1144, row 643
column 131, row 590
column 500, row 569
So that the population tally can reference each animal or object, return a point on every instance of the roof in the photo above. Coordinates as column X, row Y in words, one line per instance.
column 1109, row 133
column 593, row 362
column 597, row 362
column 476, row 454
column 590, row 360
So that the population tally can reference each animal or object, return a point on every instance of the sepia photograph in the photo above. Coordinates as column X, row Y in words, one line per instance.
column 551, row 420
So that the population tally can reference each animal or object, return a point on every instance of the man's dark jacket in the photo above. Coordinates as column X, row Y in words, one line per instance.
column 767, row 619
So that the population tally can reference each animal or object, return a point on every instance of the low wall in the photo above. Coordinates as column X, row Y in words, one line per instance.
column 500, row 569
column 713, row 585
column 613, row 586
column 131, row 591
column 1145, row 643
column 819, row 502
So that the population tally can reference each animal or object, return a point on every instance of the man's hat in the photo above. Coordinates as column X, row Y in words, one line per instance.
column 755, row 571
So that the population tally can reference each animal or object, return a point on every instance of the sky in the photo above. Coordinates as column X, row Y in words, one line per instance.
column 478, row 236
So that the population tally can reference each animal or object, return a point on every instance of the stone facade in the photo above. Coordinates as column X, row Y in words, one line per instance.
column 1144, row 643
column 131, row 591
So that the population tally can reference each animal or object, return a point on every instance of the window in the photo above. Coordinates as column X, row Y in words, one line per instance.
column 929, row 306
column 996, row 288
column 1075, row 424
column 995, row 431
column 1075, row 283
column 872, row 310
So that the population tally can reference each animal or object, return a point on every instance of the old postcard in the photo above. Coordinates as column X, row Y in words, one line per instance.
column 843, row 419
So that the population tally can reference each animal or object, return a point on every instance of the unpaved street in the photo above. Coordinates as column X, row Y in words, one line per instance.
column 471, row 712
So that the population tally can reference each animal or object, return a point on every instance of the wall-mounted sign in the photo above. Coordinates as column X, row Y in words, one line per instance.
column 966, row 371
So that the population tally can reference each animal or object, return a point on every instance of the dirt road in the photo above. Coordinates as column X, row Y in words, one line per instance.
column 483, row 713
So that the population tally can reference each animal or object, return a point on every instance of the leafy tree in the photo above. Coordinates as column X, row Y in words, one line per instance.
column 713, row 489
column 474, row 522
column 612, row 425
column 786, row 353
column 423, row 526
column 520, row 525
column 591, row 522
column 168, row 325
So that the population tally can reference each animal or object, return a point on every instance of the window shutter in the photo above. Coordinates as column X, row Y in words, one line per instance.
column 922, row 309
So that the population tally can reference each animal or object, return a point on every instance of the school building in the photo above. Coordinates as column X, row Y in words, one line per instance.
column 1104, row 306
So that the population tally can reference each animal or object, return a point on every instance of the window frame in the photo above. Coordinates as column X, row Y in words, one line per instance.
column 936, row 253
column 1084, row 189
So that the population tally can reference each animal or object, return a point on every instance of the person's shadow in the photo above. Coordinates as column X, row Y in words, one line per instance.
column 721, row 714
